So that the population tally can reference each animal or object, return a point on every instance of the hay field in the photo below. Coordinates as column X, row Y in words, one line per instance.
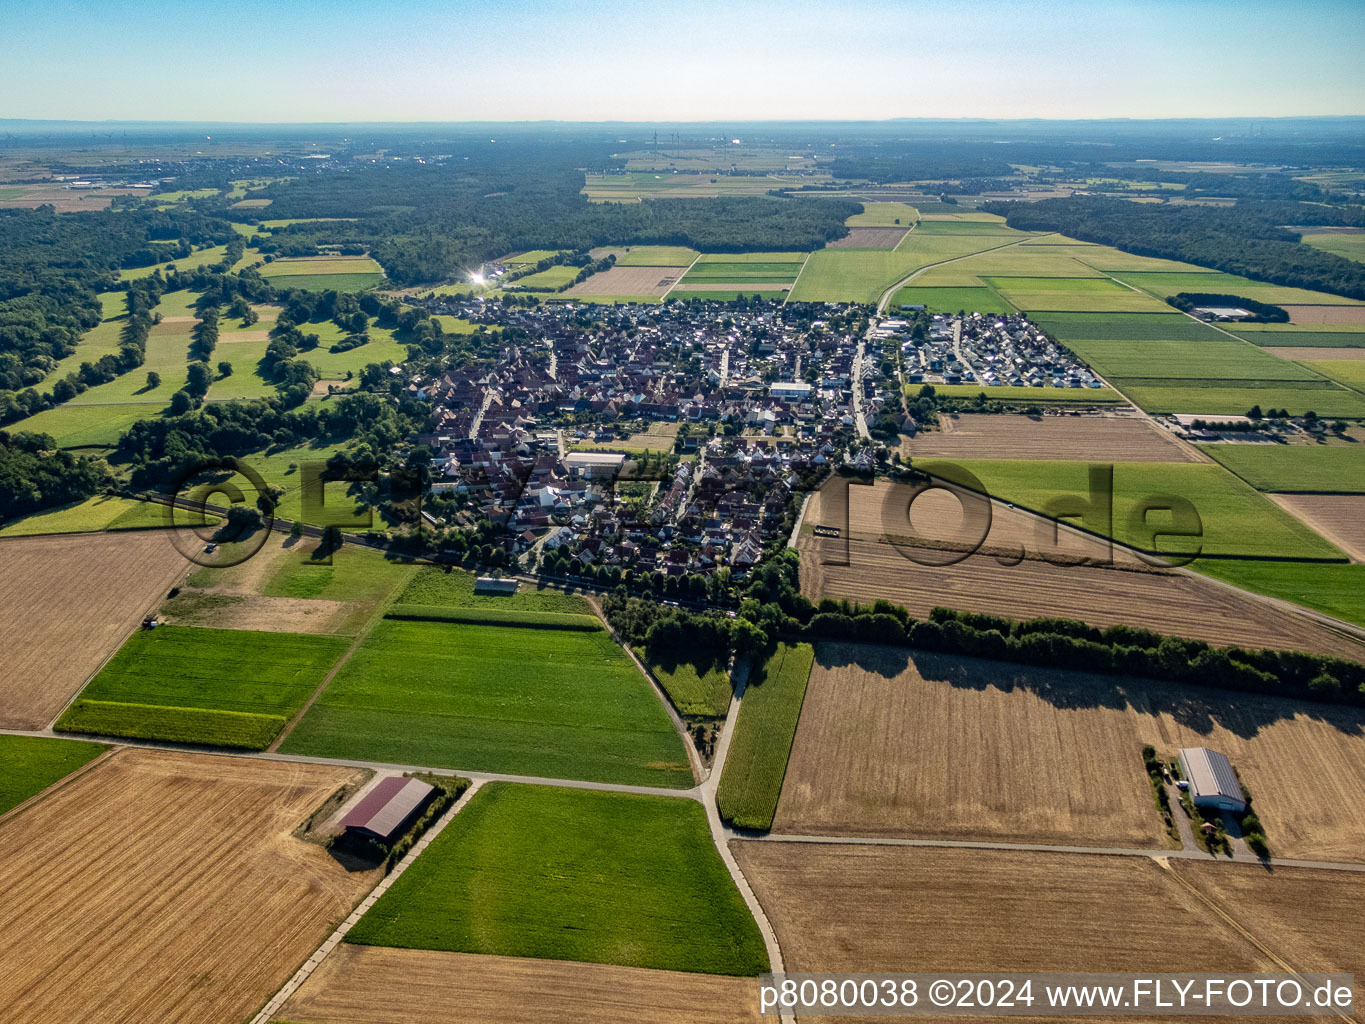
column 903, row 743
column 166, row 888
column 1338, row 517
column 653, row 281
column 66, row 604
column 1332, row 314
column 879, row 908
column 374, row 985
column 1309, row 918
column 894, row 742
column 992, row 581
column 1088, row 438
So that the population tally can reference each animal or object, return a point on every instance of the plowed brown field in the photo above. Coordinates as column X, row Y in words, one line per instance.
column 1169, row 602
column 162, row 887
column 374, row 985
column 1084, row 438
column 879, row 908
column 899, row 743
column 66, row 604
column 629, row 281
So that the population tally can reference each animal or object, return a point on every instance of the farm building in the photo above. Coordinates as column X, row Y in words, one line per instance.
column 494, row 585
column 594, row 464
column 388, row 808
column 1212, row 781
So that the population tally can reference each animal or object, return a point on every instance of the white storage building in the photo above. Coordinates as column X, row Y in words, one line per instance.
column 1212, row 781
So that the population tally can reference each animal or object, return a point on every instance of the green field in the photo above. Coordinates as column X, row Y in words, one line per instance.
column 1336, row 589
column 550, row 279
column 86, row 426
column 1026, row 396
column 884, row 215
column 327, row 282
column 197, row 259
column 160, row 681
column 951, row 300
column 757, row 763
column 862, row 275
column 356, row 573
column 453, row 588
column 1349, row 245
column 1350, row 372
column 1340, row 336
column 1081, row 294
column 98, row 513
column 1291, row 468
column 1227, row 400
column 1236, row 521
column 566, row 874
column 534, row 256
column 32, row 763
column 740, row 272
column 494, row 617
column 750, row 257
column 729, row 295
column 1197, row 361
column 555, row 703
column 1068, row 327
column 701, row 689
column 655, row 256
column 1162, row 285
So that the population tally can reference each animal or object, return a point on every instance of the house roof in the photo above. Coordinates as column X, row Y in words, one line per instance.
column 388, row 805
column 1210, row 773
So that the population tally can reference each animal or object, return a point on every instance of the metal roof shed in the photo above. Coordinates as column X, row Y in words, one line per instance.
column 388, row 807
column 1212, row 781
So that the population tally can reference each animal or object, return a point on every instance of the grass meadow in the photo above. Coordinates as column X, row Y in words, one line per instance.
column 1286, row 468
column 579, row 875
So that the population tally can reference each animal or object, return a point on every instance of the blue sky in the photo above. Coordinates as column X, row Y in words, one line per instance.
column 414, row 60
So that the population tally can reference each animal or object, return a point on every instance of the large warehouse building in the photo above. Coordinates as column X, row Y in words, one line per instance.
column 1212, row 781
column 388, row 808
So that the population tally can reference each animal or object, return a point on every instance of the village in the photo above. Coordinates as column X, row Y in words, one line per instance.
column 673, row 439
column 993, row 350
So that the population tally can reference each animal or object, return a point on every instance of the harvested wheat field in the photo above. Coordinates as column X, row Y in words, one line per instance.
column 375, row 985
column 996, row 581
column 886, row 908
column 629, row 281
column 268, row 614
column 66, row 604
column 163, row 887
column 870, row 238
column 1338, row 517
column 893, row 742
column 1078, row 438
column 899, row 743
column 1309, row 918
column 1325, row 314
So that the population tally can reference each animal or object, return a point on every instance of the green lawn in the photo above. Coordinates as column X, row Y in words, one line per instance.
column 566, row 874
column 86, row 426
column 1337, row 590
column 32, row 763
column 757, row 763
column 556, row 703
column 549, row 279
column 454, row 588
column 730, row 295
column 356, row 573
column 534, row 256
column 884, row 215
column 1290, row 468
column 695, row 688
column 161, row 681
column 1235, row 519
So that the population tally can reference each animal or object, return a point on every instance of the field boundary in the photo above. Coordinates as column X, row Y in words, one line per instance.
column 277, row 1001
column 680, row 277
column 792, row 287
